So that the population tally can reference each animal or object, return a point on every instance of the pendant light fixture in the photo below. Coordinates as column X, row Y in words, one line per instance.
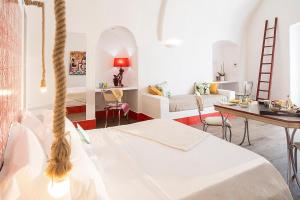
column 39, row 4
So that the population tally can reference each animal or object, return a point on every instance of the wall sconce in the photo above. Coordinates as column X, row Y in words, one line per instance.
column 169, row 41
column 39, row 4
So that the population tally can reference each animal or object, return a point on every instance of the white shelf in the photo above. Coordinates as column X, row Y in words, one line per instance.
column 225, row 82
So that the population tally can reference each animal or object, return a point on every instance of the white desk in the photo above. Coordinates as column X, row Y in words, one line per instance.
column 121, row 88
column 228, row 85
column 76, row 90
column 130, row 96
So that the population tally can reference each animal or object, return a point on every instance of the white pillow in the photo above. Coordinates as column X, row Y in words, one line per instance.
column 41, row 126
column 86, row 181
column 164, row 88
column 24, row 160
column 34, row 124
column 47, row 120
column 84, row 136
column 71, row 135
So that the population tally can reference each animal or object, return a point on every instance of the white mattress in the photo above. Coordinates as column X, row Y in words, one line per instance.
column 136, row 168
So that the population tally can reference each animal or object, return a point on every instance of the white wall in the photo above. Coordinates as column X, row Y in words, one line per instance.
column 116, row 42
column 205, row 22
column 34, row 98
column 75, row 23
column 288, row 13
column 75, row 42
column 229, row 54
column 295, row 63
column 112, row 43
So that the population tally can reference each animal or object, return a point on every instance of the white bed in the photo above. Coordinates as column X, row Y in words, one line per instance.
column 133, row 167
column 152, row 160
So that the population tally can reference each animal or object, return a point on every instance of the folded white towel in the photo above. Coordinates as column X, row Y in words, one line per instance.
column 167, row 132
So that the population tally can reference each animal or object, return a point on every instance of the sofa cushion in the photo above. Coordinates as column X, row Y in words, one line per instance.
column 164, row 88
column 210, row 100
column 189, row 102
column 154, row 91
column 183, row 102
column 202, row 88
column 213, row 88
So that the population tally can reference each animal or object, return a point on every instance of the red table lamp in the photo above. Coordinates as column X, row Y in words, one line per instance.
column 120, row 62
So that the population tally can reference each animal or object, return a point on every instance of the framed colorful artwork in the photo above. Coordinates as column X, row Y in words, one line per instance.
column 77, row 63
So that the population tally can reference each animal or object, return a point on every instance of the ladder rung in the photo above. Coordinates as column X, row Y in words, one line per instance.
column 266, row 63
column 269, row 46
column 270, row 28
column 263, row 90
column 269, row 37
column 262, row 98
column 265, row 81
column 265, row 72
column 269, row 54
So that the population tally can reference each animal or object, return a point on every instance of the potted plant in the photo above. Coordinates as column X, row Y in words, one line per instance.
column 222, row 73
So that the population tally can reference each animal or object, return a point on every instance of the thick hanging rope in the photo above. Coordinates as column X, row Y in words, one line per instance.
column 59, row 164
column 42, row 6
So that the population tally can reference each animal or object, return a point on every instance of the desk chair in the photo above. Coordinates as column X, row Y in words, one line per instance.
column 113, row 102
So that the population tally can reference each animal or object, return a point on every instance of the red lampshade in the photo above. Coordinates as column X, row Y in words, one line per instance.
column 121, row 62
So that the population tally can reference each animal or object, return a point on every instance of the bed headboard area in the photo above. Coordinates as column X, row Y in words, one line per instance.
column 11, row 46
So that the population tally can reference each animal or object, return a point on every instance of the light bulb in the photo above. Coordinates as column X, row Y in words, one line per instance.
column 5, row 92
column 43, row 89
column 43, row 85
column 173, row 42
column 58, row 189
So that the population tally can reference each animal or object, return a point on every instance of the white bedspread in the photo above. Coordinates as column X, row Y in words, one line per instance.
column 166, row 132
column 137, row 168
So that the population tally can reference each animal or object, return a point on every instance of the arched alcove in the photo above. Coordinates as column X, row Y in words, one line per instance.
column 227, row 53
column 295, row 63
column 116, row 42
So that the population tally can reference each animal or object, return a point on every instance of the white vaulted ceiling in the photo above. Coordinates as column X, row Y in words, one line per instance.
column 183, row 17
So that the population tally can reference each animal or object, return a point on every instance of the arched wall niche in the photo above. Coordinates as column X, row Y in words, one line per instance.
column 227, row 53
column 117, row 41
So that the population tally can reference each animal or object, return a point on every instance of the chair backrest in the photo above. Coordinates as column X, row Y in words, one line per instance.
column 246, row 88
column 109, row 97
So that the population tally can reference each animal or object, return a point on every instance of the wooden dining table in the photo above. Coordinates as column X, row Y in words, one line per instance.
column 252, row 112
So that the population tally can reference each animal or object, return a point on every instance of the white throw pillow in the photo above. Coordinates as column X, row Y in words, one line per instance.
column 84, row 136
column 86, row 181
column 202, row 88
column 164, row 88
column 41, row 124
column 24, row 160
column 34, row 124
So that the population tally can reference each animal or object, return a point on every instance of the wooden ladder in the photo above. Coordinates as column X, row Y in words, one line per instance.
column 267, row 62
